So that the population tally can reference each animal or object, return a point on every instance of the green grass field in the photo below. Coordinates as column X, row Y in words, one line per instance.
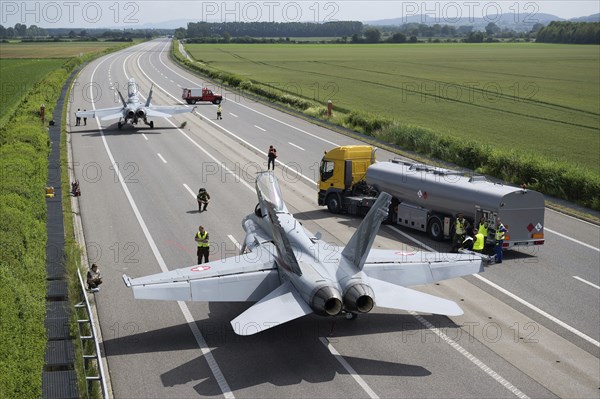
column 51, row 49
column 542, row 99
column 17, row 77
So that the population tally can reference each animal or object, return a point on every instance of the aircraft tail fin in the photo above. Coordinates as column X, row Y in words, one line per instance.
column 357, row 249
column 271, row 202
column 149, row 96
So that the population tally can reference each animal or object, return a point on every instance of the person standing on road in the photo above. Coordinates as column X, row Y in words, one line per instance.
column 84, row 119
column 77, row 118
column 499, row 236
column 483, row 229
column 203, row 246
column 271, row 155
column 219, row 112
column 460, row 226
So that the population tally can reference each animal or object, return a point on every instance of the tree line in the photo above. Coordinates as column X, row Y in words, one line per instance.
column 270, row 29
column 22, row 30
column 35, row 33
column 570, row 33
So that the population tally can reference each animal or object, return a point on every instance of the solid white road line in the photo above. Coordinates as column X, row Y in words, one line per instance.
column 161, row 157
column 260, row 128
column 471, row 358
column 572, row 239
column 586, row 282
column 206, row 351
column 538, row 310
column 234, row 241
column 251, row 109
column 292, row 144
column 190, row 190
column 476, row 275
column 513, row 296
column 349, row 369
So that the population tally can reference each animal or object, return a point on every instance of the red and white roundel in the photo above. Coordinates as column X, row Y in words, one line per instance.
column 199, row 268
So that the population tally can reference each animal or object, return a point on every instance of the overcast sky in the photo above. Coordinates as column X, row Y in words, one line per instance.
column 112, row 13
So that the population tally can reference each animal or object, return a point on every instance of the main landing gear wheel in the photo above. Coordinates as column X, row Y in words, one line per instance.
column 151, row 124
column 351, row 316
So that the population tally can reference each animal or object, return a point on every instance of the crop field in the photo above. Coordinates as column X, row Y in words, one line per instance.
column 17, row 76
column 51, row 49
column 538, row 98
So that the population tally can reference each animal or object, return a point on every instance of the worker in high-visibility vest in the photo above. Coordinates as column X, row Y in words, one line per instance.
column 499, row 236
column 483, row 226
column 203, row 246
column 479, row 242
column 460, row 226
column 483, row 229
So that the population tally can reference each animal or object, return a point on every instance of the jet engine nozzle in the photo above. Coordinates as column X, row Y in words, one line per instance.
column 327, row 301
column 359, row 298
column 140, row 113
column 130, row 114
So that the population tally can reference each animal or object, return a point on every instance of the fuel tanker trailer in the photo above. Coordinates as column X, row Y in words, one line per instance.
column 428, row 198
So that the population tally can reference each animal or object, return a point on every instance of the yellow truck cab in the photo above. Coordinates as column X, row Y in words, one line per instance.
column 341, row 169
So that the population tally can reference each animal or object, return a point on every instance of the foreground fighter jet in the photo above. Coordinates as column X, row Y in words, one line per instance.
column 291, row 273
column 133, row 110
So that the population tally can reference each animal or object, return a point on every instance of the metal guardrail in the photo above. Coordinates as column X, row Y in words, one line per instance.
column 100, row 376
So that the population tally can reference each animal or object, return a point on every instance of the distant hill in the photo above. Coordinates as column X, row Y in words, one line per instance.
column 589, row 18
column 518, row 22
column 504, row 19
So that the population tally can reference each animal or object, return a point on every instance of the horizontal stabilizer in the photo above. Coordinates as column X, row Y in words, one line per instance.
column 280, row 306
column 397, row 297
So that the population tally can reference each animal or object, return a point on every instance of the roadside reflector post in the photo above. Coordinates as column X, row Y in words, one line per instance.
column 42, row 112
column 329, row 108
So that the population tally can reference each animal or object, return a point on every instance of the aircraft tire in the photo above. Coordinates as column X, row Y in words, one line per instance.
column 351, row 316
column 151, row 124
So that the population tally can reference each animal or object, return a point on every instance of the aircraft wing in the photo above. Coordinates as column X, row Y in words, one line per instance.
column 104, row 114
column 164, row 111
column 240, row 278
column 416, row 268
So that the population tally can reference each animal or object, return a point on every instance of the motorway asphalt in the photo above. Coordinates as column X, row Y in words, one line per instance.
column 530, row 329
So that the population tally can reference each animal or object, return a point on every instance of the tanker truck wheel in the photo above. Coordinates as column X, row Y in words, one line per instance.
column 435, row 228
column 333, row 203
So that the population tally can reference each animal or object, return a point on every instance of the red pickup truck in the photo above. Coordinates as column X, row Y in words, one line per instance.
column 193, row 95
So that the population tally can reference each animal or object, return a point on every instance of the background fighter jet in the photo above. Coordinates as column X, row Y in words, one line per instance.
column 133, row 110
column 292, row 273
